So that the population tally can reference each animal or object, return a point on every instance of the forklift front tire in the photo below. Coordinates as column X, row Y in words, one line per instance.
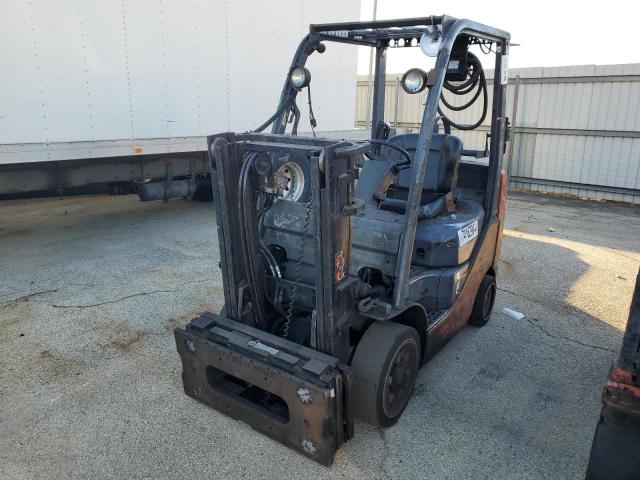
column 384, row 366
column 483, row 306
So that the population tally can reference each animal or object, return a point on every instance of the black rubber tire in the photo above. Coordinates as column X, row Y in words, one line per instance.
column 204, row 193
column 483, row 305
column 387, row 349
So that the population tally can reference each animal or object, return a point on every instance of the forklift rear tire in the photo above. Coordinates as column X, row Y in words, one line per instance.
column 483, row 306
column 385, row 365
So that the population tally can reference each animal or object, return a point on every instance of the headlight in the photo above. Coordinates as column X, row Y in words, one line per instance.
column 414, row 81
column 300, row 77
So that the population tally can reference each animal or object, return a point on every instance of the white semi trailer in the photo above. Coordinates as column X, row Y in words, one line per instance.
column 112, row 94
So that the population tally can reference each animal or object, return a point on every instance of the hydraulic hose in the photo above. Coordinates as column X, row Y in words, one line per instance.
column 248, row 236
column 476, row 80
column 285, row 106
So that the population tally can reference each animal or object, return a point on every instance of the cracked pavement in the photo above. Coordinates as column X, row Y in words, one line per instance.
column 91, row 288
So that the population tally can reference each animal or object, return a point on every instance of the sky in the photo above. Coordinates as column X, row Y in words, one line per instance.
column 550, row 33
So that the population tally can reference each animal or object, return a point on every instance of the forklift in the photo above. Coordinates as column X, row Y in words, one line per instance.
column 348, row 264
column 615, row 451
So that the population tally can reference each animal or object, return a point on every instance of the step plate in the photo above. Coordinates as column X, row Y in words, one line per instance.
column 295, row 395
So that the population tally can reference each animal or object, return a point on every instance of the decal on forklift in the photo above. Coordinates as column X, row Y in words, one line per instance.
column 504, row 70
column 468, row 233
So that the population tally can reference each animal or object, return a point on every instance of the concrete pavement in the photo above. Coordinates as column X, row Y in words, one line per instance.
column 91, row 287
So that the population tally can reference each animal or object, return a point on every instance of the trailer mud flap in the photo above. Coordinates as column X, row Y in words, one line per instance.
column 296, row 395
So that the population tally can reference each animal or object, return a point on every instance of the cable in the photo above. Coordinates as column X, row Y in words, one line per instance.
column 285, row 106
column 247, row 220
column 389, row 144
column 276, row 273
column 489, row 50
column 296, row 118
column 477, row 80
column 312, row 118
column 276, row 300
column 458, row 90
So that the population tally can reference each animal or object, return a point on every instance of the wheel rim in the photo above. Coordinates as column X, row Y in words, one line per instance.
column 292, row 176
column 487, row 303
column 399, row 379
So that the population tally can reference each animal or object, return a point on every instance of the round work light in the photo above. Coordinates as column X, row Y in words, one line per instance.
column 300, row 77
column 414, row 81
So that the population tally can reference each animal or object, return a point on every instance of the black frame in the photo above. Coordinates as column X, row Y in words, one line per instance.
column 377, row 34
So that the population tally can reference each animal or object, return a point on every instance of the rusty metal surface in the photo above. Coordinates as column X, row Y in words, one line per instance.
column 623, row 397
column 630, row 352
column 458, row 315
column 615, row 453
column 315, row 421
column 622, row 390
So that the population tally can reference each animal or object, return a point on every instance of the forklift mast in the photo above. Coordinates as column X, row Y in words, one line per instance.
column 322, row 223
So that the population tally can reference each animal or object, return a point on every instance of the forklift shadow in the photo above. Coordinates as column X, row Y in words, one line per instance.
column 526, row 389
column 584, row 284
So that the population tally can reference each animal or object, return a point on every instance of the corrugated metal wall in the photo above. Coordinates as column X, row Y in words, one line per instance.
column 577, row 128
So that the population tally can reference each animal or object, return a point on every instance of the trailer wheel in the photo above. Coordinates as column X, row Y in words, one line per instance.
column 483, row 306
column 385, row 365
column 204, row 193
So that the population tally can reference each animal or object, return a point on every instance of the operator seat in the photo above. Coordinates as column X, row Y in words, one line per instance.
column 442, row 162
column 440, row 178
column 448, row 220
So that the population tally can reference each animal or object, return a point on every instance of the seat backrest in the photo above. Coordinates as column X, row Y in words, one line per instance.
column 442, row 164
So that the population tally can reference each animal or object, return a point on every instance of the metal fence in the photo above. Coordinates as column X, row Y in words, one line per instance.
column 577, row 129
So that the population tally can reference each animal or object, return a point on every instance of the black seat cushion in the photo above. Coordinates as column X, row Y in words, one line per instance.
column 442, row 162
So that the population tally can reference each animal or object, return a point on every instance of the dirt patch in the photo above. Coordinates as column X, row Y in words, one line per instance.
column 14, row 314
column 182, row 320
column 507, row 264
column 128, row 338
column 54, row 365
